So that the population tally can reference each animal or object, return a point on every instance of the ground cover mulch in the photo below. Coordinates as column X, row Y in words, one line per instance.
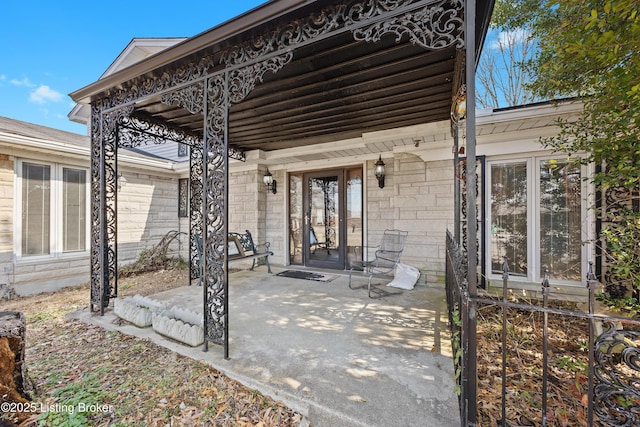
column 567, row 366
column 119, row 380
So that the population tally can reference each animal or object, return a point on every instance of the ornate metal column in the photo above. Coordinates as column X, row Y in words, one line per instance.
column 196, row 167
column 103, row 202
column 470, row 341
column 215, row 193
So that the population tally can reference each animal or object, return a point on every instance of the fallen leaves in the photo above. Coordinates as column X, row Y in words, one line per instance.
column 144, row 383
column 566, row 364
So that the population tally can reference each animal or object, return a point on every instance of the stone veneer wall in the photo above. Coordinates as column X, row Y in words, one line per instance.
column 147, row 211
column 275, row 217
column 417, row 197
column 244, row 203
column 252, row 208
column 6, row 219
column 28, row 276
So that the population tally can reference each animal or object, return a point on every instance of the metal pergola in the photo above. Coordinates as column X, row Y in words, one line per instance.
column 286, row 74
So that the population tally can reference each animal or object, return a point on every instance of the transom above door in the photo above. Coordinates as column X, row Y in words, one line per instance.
column 325, row 217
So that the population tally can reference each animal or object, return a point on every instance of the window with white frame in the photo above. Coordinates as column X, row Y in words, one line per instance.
column 52, row 199
column 536, row 216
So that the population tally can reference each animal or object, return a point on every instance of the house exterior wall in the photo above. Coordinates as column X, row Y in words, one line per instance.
column 147, row 210
column 6, row 220
column 417, row 197
column 276, row 219
column 34, row 274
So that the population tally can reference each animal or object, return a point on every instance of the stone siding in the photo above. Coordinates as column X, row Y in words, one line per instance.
column 418, row 198
column 147, row 211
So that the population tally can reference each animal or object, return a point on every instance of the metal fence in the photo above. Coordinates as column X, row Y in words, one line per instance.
column 512, row 369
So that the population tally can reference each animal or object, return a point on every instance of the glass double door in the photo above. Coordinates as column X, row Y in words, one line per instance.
column 325, row 217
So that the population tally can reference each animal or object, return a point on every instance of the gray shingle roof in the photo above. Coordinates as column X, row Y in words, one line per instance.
column 30, row 130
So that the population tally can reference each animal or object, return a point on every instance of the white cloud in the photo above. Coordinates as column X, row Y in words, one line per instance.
column 44, row 94
column 509, row 38
column 23, row 82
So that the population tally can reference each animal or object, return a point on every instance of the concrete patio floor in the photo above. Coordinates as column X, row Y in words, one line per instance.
column 329, row 352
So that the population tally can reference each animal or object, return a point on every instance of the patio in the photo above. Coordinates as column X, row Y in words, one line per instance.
column 332, row 353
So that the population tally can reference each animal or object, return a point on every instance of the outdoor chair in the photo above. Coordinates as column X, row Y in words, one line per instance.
column 385, row 259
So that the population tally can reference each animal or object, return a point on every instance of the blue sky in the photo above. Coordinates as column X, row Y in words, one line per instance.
column 50, row 49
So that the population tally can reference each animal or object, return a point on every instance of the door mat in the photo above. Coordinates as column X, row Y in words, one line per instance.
column 307, row 275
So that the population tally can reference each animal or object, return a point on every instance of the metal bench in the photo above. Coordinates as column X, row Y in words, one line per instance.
column 241, row 247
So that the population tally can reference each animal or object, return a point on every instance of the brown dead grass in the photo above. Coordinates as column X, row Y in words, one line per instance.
column 140, row 382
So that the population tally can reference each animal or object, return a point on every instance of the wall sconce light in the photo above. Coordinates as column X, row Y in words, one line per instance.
column 379, row 171
column 121, row 181
column 270, row 182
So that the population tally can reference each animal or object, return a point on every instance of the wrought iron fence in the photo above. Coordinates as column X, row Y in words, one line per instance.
column 589, row 377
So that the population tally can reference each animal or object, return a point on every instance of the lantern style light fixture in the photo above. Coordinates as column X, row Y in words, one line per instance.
column 379, row 172
column 269, row 182
column 121, row 181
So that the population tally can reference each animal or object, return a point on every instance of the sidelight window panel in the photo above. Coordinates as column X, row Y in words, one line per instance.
column 36, row 209
column 74, row 210
column 509, row 217
column 560, row 220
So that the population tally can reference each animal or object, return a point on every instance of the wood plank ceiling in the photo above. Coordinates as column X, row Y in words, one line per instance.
column 333, row 90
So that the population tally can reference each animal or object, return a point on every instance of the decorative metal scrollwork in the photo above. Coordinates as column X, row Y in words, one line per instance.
column 103, row 203
column 432, row 27
column 215, row 181
column 236, row 153
column 146, row 86
column 244, row 80
column 135, row 131
column 457, row 258
column 191, row 98
column 617, row 369
column 196, row 165
column 285, row 37
column 210, row 86
column 619, row 204
column 461, row 173
column 97, row 263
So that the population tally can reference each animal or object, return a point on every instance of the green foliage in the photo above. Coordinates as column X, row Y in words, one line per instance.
column 591, row 49
column 71, row 402
column 518, row 14
column 572, row 364
column 628, row 305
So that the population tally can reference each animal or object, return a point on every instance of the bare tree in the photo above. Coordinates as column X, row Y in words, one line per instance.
column 502, row 76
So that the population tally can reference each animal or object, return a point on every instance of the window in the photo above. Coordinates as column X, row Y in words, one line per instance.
column 36, row 209
column 74, row 209
column 560, row 217
column 509, row 217
column 53, row 200
column 536, row 216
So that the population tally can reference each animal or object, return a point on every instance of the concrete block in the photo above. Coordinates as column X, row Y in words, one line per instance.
column 180, row 324
column 137, row 309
